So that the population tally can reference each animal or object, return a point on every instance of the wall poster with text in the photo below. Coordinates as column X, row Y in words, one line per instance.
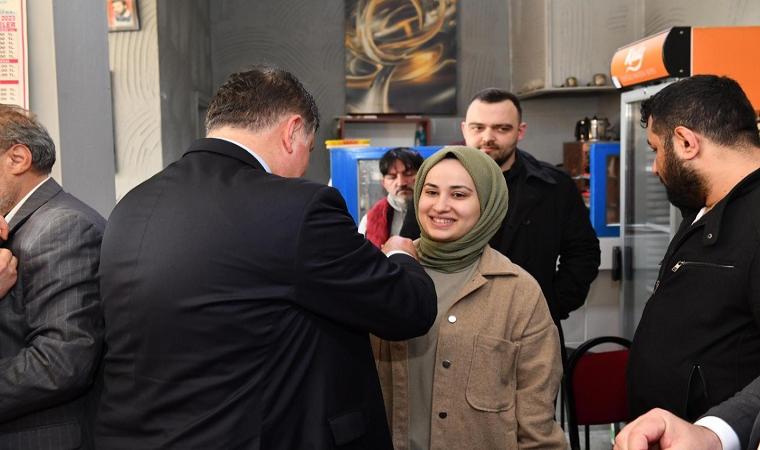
column 14, row 61
column 401, row 57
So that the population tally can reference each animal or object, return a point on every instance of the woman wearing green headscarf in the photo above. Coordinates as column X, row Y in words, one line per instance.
column 487, row 373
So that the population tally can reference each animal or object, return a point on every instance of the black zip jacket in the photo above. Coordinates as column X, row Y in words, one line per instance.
column 698, row 341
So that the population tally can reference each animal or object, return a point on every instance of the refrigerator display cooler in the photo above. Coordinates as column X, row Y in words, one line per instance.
column 640, row 70
column 355, row 172
column 595, row 168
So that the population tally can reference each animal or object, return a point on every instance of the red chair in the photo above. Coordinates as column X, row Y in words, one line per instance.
column 595, row 387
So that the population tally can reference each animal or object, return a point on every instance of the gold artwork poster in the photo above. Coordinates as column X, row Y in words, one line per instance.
column 401, row 57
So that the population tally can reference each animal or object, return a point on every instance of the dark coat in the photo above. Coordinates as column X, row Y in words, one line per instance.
column 549, row 220
column 51, row 328
column 698, row 341
column 238, row 306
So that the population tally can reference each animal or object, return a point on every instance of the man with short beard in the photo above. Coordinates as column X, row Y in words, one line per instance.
column 698, row 341
column 399, row 168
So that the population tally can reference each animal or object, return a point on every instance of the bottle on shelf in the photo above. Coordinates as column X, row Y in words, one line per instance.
column 420, row 138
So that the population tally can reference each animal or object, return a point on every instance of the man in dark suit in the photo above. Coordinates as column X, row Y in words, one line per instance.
column 239, row 299
column 732, row 425
column 51, row 328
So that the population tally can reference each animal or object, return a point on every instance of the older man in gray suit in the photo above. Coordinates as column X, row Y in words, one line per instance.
column 51, row 327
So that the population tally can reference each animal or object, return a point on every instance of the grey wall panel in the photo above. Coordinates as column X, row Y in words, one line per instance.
column 662, row 15
column 308, row 39
column 69, row 89
column 305, row 38
column 184, row 46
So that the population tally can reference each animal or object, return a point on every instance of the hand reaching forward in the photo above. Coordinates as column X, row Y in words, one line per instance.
column 659, row 429
column 398, row 243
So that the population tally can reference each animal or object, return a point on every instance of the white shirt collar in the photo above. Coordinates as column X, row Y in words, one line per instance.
column 258, row 158
column 9, row 216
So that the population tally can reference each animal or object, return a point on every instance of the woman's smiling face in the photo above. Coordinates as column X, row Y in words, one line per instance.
column 449, row 206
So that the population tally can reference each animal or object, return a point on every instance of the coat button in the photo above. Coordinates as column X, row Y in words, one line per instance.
column 709, row 236
column 452, row 319
column 442, row 414
column 446, row 364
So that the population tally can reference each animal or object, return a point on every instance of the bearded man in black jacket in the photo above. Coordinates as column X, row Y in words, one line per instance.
column 698, row 341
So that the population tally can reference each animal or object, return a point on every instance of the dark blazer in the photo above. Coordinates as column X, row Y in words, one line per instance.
column 238, row 306
column 742, row 413
column 51, row 328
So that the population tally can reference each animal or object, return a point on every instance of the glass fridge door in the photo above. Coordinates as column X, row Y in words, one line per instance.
column 649, row 221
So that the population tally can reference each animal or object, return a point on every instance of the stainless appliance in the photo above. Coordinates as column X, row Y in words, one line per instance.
column 641, row 69
column 648, row 220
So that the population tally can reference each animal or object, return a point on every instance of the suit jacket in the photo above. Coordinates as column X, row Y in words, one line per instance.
column 238, row 305
column 51, row 327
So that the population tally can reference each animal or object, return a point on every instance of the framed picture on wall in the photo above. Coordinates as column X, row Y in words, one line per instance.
column 401, row 57
column 123, row 15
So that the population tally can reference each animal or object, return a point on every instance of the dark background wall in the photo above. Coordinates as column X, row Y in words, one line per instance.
column 184, row 52
column 307, row 38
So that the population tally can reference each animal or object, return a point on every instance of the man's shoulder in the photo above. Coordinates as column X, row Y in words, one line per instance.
column 65, row 206
column 545, row 171
column 381, row 204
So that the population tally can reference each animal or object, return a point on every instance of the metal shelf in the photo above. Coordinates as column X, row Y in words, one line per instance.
column 567, row 91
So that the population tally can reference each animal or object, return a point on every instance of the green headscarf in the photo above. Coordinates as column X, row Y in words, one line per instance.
column 492, row 192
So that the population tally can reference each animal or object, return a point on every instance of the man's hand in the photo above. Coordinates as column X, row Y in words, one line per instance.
column 8, row 273
column 659, row 429
column 397, row 243
column 4, row 228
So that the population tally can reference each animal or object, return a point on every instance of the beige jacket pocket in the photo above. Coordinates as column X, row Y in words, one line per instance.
column 492, row 382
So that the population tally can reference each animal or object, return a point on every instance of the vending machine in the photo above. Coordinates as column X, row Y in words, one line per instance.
column 355, row 172
column 640, row 70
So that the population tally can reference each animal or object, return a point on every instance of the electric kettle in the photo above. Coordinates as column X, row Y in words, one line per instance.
column 594, row 129
column 597, row 129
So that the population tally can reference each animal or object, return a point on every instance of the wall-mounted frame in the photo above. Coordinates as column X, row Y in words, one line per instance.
column 401, row 57
column 123, row 15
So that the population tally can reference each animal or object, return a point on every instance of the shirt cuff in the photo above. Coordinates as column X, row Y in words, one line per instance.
column 396, row 252
column 726, row 434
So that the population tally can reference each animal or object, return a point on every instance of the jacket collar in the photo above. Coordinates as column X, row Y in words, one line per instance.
column 491, row 263
column 226, row 148
column 713, row 218
column 42, row 195
column 534, row 168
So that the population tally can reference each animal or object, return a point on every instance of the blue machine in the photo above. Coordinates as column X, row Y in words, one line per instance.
column 604, row 206
column 356, row 174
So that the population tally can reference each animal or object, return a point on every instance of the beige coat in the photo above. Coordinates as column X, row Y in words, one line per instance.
column 497, row 368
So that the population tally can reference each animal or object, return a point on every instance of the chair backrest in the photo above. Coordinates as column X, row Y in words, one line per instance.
column 595, row 385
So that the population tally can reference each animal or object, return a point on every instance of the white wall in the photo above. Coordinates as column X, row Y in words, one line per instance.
column 136, row 100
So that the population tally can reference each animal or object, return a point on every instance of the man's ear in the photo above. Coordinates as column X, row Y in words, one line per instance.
column 290, row 130
column 20, row 158
column 521, row 131
column 686, row 142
